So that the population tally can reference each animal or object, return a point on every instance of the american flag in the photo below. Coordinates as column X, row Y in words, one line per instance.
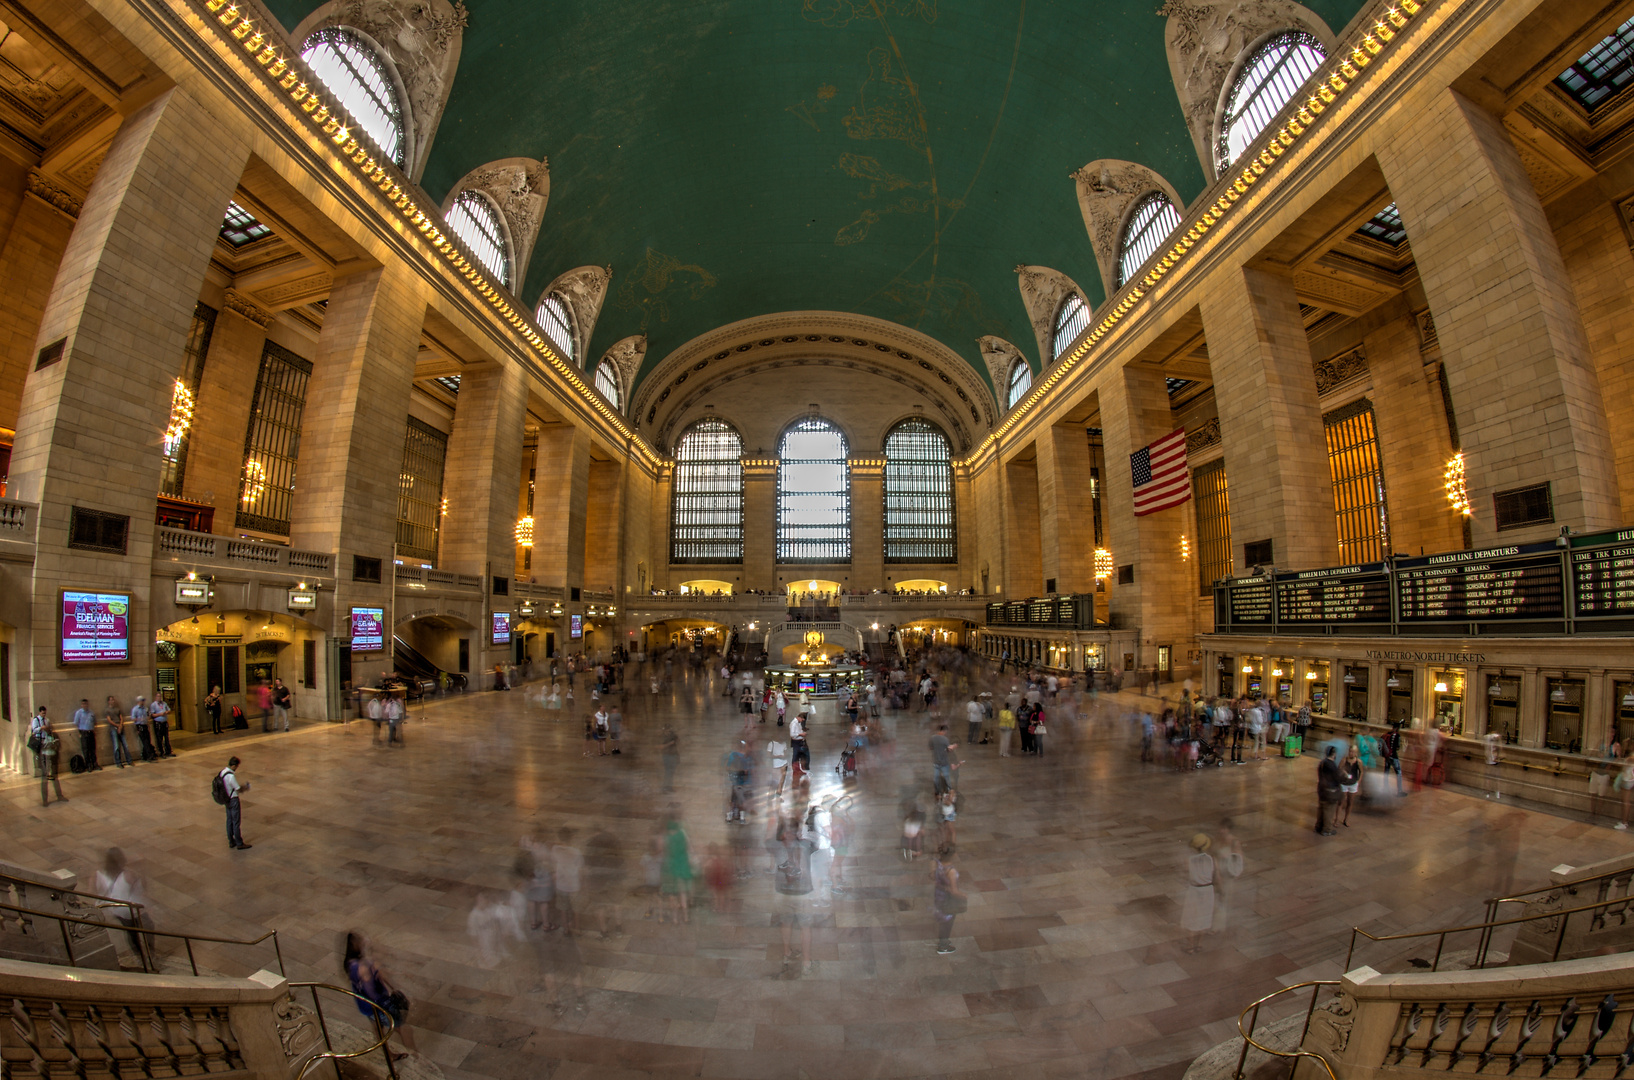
column 1159, row 473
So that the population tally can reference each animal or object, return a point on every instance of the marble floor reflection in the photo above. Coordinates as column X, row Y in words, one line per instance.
column 1069, row 962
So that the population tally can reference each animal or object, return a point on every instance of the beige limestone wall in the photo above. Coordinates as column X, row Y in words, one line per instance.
column 215, row 453
column 1066, row 508
column 868, row 567
column 33, row 251
column 604, row 509
column 1024, row 556
column 561, row 497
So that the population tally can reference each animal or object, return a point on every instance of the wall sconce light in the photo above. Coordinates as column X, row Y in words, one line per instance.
column 1493, row 689
column 1310, row 676
column 1441, row 688
column 1557, row 694
column 1349, row 679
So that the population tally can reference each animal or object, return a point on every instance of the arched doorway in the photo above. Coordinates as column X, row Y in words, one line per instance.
column 240, row 651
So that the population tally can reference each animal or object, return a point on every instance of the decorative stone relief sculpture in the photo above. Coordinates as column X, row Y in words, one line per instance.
column 584, row 288
column 44, row 188
column 1429, row 342
column 1205, row 435
column 1332, row 1024
column 520, row 187
column 626, row 355
column 421, row 40
column 1043, row 290
column 1207, row 40
column 1338, row 370
column 1107, row 190
column 1001, row 357
column 239, row 304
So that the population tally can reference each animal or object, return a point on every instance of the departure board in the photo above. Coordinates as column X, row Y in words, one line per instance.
column 1351, row 594
column 1603, row 577
column 1251, row 603
column 1481, row 587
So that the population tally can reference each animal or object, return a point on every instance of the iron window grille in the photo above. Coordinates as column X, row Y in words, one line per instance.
column 240, row 227
column 266, row 490
column 1272, row 77
column 556, row 319
column 1212, row 505
column 1603, row 71
column 1361, row 513
column 349, row 68
column 706, row 515
column 183, row 401
column 1021, row 380
column 475, row 221
column 420, row 491
column 813, row 494
column 98, row 530
column 607, row 383
column 1520, row 507
column 1151, row 222
column 1070, row 321
column 919, row 521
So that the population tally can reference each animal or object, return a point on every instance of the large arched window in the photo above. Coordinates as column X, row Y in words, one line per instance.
column 556, row 318
column 706, row 516
column 1021, row 379
column 813, row 494
column 349, row 68
column 1272, row 77
column 474, row 220
column 607, row 383
column 918, row 494
column 1151, row 222
column 1070, row 321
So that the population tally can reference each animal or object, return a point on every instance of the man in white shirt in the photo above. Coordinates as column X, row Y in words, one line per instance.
column 375, row 714
column 235, row 813
column 797, row 741
column 974, row 715
column 160, row 712
column 139, row 717
column 85, row 723
column 567, row 865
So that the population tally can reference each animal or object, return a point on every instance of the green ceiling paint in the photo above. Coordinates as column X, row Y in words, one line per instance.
column 895, row 158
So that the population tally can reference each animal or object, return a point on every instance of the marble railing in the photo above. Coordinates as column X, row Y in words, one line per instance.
column 17, row 520
column 416, row 576
column 200, row 551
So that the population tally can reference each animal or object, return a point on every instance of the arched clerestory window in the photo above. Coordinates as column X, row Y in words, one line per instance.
column 1021, row 380
column 706, row 512
column 475, row 220
column 351, row 70
column 556, row 319
column 1272, row 77
column 1070, row 320
column 919, row 523
column 813, row 494
column 1150, row 223
column 607, row 383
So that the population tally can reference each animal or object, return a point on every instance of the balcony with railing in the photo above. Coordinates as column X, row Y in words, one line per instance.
column 206, row 551
column 423, row 577
column 18, row 522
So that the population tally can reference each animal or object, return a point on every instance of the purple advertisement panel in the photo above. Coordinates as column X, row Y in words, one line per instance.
column 95, row 628
column 575, row 626
column 502, row 627
column 368, row 629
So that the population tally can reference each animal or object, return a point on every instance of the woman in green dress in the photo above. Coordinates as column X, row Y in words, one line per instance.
column 677, row 881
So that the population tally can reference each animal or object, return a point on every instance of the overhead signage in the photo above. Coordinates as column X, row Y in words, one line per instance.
column 95, row 628
column 192, row 593
column 368, row 629
column 303, row 599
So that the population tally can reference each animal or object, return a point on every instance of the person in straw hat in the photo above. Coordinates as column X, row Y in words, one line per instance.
column 1197, row 916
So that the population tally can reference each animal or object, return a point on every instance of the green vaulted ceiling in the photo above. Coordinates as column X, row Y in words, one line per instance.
column 893, row 158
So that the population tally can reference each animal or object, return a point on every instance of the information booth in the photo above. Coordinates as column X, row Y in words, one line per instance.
column 1400, row 685
column 1316, row 682
column 1503, row 708
column 1622, row 704
column 1355, row 683
column 1449, row 700
column 1564, row 730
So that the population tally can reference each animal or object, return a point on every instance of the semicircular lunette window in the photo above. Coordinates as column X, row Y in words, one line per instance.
column 1154, row 218
column 556, row 319
column 474, row 220
column 1021, row 380
column 352, row 72
column 607, row 383
column 1070, row 321
column 1272, row 77
column 813, row 494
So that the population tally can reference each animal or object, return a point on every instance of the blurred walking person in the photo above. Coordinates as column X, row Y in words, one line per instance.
column 371, row 984
column 948, row 900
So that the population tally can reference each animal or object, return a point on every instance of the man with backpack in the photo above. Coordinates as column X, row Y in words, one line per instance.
column 225, row 789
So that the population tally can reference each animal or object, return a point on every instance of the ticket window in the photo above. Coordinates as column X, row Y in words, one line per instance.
column 1565, row 703
column 1503, row 710
column 1355, row 682
column 1316, row 688
column 1622, row 710
column 1449, row 701
column 1282, row 681
column 1228, row 677
column 1399, row 684
column 1254, row 677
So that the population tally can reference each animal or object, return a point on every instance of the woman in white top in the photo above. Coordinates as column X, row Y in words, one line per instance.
column 1197, row 917
column 780, row 762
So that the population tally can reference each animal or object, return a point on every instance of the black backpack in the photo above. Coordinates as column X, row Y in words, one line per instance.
column 218, row 790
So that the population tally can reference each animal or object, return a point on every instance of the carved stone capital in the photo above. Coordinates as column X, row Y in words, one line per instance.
column 242, row 306
column 48, row 190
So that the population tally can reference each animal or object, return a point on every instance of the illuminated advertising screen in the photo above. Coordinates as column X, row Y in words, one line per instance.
column 368, row 629
column 502, row 627
column 575, row 626
column 95, row 628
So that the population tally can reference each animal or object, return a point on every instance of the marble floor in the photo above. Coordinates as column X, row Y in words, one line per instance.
column 1069, row 962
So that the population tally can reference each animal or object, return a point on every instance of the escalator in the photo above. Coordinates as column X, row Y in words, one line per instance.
column 410, row 662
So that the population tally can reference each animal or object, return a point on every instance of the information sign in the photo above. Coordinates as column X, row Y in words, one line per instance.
column 95, row 627
column 502, row 628
column 368, row 629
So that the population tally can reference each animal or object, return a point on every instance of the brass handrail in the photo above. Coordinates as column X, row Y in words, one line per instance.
column 329, row 1054
column 1564, row 914
column 1248, row 1036
column 142, row 933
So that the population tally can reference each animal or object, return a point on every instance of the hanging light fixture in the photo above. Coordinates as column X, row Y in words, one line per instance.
column 1310, row 676
column 1276, row 673
column 1103, row 564
column 524, row 531
column 1557, row 694
column 1493, row 689
column 1628, row 700
column 1349, row 678
column 1248, row 669
column 1440, row 687
column 1456, row 484
column 1392, row 682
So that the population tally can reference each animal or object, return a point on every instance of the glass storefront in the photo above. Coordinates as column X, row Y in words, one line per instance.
column 1282, row 680
column 1316, row 682
column 1449, row 700
column 1503, row 706
column 1565, row 704
column 1254, row 677
column 1355, row 681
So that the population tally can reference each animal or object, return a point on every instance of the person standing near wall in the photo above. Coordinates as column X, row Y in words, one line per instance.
column 45, row 744
column 160, row 713
column 85, row 723
column 144, row 737
column 283, row 702
column 115, row 716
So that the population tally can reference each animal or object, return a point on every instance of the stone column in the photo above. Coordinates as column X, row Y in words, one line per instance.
column 1066, row 508
column 1518, row 363
column 867, row 523
column 760, row 524
column 353, row 429
column 32, row 254
column 604, row 510
column 1476, row 716
column 1270, row 422
column 122, row 305
column 1414, row 443
column 561, row 495
column 1533, row 707
column 1023, row 557
column 660, row 530
column 1160, row 603
column 215, row 451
